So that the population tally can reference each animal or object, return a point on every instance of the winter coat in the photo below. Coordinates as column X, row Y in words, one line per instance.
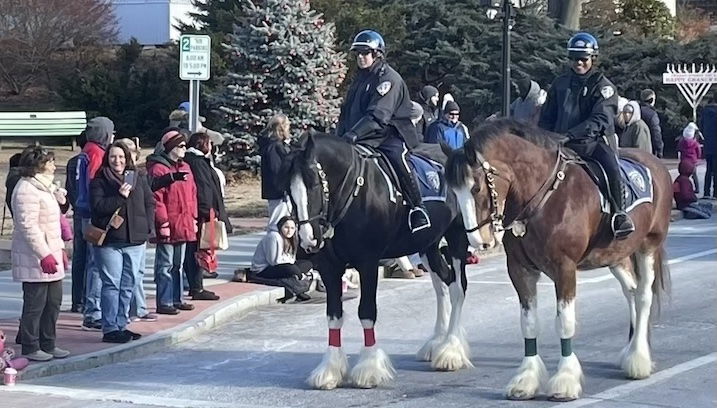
column 13, row 176
column 636, row 133
column 274, row 180
column 708, row 126
column 682, row 189
column 270, row 252
column 454, row 135
column 650, row 117
column 209, row 189
column 36, row 232
column 176, row 203
column 71, row 180
column 689, row 149
column 527, row 109
column 137, row 209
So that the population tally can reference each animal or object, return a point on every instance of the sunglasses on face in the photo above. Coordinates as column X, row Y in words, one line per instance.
column 364, row 52
column 454, row 114
column 584, row 60
column 182, row 146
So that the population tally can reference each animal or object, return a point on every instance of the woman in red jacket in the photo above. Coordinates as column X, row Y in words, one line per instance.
column 175, row 217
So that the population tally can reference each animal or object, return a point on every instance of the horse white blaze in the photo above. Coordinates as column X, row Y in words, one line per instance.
column 301, row 198
column 566, row 384
column 467, row 204
column 454, row 352
column 330, row 373
column 443, row 311
column 637, row 362
column 374, row 367
column 532, row 374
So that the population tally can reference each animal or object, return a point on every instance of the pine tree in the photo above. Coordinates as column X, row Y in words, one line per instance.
column 280, row 58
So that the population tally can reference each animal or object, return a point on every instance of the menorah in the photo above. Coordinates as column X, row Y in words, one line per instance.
column 693, row 82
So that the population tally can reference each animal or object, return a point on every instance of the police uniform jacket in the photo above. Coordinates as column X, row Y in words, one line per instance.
column 583, row 107
column 377, row 106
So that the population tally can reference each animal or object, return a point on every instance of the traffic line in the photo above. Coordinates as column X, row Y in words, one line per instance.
column 122, row 398
column 625, row 389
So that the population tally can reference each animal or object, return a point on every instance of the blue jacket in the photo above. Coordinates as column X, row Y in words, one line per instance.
column 708, row 127
column 444, row 131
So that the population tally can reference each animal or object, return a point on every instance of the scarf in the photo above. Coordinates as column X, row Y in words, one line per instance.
column 47, row 181
column 112, row 176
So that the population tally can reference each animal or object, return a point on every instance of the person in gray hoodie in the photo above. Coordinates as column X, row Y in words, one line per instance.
column 636, row 134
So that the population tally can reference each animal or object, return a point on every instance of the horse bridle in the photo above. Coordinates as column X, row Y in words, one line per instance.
column 519, row 223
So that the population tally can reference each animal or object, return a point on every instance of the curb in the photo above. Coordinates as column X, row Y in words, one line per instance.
column 207, row 320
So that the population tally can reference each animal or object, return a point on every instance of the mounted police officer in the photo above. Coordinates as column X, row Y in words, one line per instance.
column 582, row 104
column 377, row 113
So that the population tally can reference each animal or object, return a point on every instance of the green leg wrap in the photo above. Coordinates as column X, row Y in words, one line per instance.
column 531, row 347
column 566, row 347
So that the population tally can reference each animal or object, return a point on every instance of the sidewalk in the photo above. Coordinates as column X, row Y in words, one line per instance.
column 87, row 349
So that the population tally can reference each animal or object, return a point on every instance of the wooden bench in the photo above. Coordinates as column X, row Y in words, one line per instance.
column 42, row 124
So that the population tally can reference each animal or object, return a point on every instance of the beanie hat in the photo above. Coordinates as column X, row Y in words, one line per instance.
column 451, row 106
column 416, row 111
column 184, row 106
column 689, row 131
column 647, row 95
column 428, row 92
column 172, row 139
column 100, row 130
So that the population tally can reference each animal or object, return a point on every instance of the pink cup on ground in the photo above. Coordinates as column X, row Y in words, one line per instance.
column 10, row 376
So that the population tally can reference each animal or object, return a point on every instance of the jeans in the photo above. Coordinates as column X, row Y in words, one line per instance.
column 118, row 264
column 168, row 259
column 40, row 308
column 93, row 283
column 79, row 263
column 138, row 305
column 710, row 177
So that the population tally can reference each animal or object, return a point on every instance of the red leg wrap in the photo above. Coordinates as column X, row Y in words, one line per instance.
column 335, row 337
column 369, row 337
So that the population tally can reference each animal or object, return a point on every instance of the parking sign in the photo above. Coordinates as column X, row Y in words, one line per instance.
column 194, row 56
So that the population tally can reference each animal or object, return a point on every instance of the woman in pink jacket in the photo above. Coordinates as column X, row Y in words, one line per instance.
column 38, row 257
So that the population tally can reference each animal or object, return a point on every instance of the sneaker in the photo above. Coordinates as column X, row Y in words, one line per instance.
column 184, row 306
column 302, row 297
column 209, row 275
column 204, row 295
column 133, row 335
column 149, row 317
column 117, row 336
column 59, row 353
column 418, row 219
column 168, row 310
column 91, row 325
column 622, row 225
column 39, row 355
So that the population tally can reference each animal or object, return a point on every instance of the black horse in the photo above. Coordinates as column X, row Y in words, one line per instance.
column 349, row 215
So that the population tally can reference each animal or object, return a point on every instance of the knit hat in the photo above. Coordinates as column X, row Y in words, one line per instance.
column 451, row 106
column 428, row 92
column 416, row 111
column 100, row 130
column 172, row 139
column 689, row 131
column 647, row 95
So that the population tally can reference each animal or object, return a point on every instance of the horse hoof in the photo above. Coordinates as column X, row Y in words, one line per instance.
column 637, row 365
column 330, row 373
column 529, row 380
column 566, row 384
column 425, row 353
column 452, row 355
column 373, row 369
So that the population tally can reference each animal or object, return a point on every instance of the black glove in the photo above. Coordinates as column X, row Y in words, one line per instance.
column 179, row 176
column 167, row 179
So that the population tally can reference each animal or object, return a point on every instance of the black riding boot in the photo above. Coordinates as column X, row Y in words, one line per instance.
column 418, row 216
column 621, row 223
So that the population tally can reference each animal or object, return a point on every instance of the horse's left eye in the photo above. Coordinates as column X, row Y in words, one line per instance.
column 475, row 189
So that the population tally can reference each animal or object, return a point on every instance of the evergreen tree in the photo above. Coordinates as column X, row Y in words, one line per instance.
column 280, row 59
column 646, row 18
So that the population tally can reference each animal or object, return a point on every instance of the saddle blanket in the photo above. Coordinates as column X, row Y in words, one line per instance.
column 430, row 178
column 637, row 179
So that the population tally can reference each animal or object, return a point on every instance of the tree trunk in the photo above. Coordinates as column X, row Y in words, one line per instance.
column 566, row 12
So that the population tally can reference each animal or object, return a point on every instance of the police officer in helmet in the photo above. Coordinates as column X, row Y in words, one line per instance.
column 582, row 104
column 377, row 113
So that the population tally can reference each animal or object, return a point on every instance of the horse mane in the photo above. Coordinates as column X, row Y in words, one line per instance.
column 458, row 168
column 493, row 130
column 304, row 148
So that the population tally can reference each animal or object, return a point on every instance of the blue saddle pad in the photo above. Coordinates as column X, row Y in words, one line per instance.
column 638, row 180
column 430, row 177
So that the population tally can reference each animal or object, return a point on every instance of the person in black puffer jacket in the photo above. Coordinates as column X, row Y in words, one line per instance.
column 273, row 148
column 117, row 190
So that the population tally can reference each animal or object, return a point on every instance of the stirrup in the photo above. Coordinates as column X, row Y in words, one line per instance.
column 627, row 228
column 424, row 220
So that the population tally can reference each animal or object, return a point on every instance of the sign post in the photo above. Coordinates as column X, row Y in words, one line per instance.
column 692, row 82
column 194, row 66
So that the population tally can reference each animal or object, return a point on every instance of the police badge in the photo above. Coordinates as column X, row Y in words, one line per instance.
column 607, row 91
column 383, row 88
column 637, row 180
column 433, row 179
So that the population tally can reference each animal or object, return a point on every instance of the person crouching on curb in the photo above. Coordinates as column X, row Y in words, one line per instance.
column 39, row 260
column 123, row 204
column 175, row 218
column 275, row 258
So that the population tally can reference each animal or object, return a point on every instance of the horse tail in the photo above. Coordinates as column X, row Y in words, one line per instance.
column 662, row 284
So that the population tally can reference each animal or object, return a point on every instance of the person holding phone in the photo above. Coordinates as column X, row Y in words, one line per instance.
column 175, row 194
column 124, row 204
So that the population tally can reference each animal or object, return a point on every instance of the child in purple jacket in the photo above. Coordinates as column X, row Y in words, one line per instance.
column 690, row 149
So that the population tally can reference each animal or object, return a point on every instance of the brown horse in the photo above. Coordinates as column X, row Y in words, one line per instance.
column 517, row 184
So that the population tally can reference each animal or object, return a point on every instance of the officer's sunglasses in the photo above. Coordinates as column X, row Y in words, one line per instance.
column 364, row 52
column 584, row 60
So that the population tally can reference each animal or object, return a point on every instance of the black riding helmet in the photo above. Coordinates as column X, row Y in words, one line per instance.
column 582, row 45
column 368, row 40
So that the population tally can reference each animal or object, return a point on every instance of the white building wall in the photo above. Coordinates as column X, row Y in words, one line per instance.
column 672, row 6
column 150, row 21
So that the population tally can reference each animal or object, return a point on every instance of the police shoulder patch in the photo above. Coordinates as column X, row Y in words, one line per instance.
column 383, row 88
column 607, row 91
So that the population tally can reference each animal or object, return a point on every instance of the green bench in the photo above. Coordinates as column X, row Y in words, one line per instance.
column 42, row 124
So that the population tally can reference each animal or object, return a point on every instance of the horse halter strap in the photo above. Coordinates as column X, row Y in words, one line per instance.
column 496, row 218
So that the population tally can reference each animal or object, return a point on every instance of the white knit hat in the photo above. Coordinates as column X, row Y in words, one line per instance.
column 689, row 131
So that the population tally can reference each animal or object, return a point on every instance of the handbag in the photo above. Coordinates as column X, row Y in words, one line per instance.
column 213, row 234
column 95, row 235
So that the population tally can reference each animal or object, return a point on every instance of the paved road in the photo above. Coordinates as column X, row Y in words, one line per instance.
column 263, row 359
